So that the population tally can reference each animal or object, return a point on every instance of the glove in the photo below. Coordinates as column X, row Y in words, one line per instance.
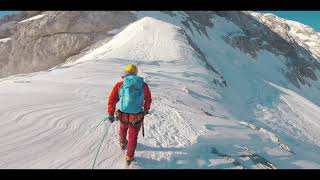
column 145, row 112
column 110, row 118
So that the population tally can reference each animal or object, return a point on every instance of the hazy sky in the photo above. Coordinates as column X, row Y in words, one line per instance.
column 310, row 18
column 6, row 12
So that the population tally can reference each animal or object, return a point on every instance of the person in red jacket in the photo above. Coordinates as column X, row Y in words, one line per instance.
column 128, row 121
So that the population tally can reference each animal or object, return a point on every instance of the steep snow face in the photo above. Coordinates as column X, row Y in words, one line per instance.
column 301, row 66
column 293, row 109
column 258, row 101
column 249, row 95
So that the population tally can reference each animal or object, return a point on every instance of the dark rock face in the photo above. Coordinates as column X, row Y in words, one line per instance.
column 301, row 65
column 8, row 23
column 244, row 43
column 201, row 20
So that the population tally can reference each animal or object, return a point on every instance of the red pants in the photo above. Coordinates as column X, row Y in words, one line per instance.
column 133, row 136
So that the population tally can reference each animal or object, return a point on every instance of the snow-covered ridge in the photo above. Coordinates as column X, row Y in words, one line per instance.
column 33, row 18
column 5, row 40
column 146, row 34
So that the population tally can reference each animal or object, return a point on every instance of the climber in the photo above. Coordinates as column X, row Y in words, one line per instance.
column 134, row 99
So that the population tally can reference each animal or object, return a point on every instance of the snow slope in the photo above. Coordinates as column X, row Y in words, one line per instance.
column 47, row 116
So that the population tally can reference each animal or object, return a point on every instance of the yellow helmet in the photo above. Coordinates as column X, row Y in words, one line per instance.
column 130, row 68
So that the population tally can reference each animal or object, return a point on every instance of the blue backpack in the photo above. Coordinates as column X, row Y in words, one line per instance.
column 131, row 94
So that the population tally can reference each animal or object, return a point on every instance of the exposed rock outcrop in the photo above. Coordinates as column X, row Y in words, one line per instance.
column 52, row 37
column 259, row 36
column 8, row 23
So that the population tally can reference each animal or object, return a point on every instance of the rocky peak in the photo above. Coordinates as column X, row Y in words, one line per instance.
column 41, row 40
column 274, row 35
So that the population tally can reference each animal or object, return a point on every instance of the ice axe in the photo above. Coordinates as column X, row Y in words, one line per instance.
column 142, row 129
column 142, row 124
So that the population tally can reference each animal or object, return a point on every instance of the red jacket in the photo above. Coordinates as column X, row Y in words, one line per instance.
column 114, row 97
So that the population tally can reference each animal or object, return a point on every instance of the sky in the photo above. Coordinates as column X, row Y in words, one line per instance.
column 6, row 12
column 310, row 18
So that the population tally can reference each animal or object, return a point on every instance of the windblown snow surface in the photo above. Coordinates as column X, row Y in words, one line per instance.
column 255, row 120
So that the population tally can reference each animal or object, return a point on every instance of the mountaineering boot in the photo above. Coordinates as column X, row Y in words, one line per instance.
column 123, row 145
column 129, row 160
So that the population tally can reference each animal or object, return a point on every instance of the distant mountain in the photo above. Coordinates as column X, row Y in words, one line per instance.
column 49, row 38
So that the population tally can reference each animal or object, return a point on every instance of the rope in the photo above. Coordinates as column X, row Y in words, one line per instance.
column 96, row 126
column 100, row 146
